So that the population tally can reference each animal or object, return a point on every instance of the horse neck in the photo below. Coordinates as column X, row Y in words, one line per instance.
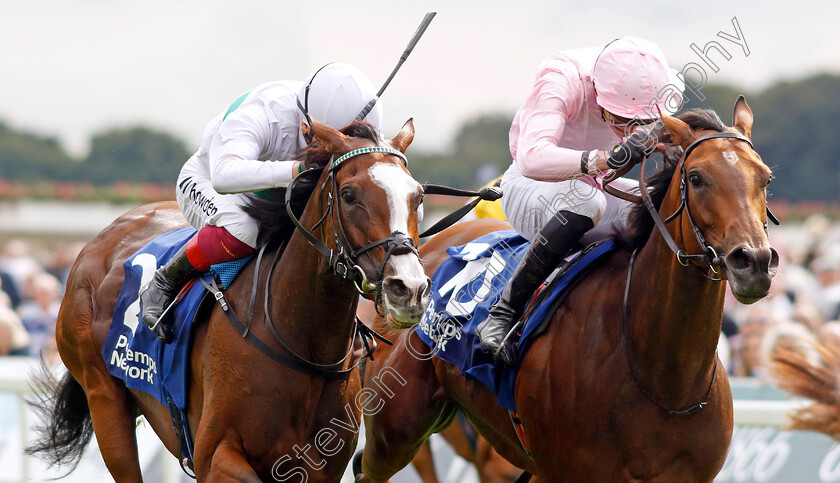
column 675, row 319
column 309, row 302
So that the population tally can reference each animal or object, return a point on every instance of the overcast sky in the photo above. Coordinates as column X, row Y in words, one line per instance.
column 71, row 68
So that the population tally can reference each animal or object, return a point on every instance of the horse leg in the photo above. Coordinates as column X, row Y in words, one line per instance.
column 222, row 460
column 392, row 447
column 424, row 464
column 413, row 410
column 112, row 415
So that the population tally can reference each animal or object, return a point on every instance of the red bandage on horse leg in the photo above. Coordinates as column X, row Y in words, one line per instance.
column 214, row 245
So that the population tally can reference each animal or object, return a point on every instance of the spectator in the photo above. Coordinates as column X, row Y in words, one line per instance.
column 826, row 267
column 14, row 340
column 7, row 284
column 19, row 264
column 41, row 312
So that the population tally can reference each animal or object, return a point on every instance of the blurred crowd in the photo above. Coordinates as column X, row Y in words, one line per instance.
column 802, row 309
column 31, row 288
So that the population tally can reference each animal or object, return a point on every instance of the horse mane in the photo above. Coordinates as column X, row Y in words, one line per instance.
column 639, row 222
column 270, row 213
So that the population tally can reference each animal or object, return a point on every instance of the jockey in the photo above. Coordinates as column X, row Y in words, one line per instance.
column 252, row 146
column 576, row 124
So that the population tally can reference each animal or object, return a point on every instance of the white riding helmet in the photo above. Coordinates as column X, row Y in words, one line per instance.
column 632, row 78
column 336, row 93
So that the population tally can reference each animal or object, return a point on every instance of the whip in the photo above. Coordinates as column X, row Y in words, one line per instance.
column 419, row 33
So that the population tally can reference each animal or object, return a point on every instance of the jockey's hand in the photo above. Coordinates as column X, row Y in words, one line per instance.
column 633, row 150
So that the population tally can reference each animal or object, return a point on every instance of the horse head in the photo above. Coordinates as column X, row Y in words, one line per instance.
column 374, row 204
column 719, row 193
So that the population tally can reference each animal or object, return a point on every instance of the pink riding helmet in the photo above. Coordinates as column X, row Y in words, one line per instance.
column 632, row 79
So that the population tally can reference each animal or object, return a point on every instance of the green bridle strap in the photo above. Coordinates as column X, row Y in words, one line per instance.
column 372, row 149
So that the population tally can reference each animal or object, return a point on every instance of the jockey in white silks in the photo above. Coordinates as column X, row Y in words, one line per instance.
column 252, row 146
column 575, row 126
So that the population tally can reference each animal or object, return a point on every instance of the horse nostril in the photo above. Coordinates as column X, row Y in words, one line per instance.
column 396, row 287
column 739, row 260
column 774, row 261
column 427, row 288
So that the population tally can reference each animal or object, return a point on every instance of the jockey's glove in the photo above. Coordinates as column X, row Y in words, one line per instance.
column 633, row 150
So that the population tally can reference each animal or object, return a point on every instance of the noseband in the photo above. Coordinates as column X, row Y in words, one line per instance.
column 709, row 256
column 343, row 260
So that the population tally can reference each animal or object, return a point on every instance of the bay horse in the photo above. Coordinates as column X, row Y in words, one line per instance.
column 472, row 447
column 618, row 388
column 251, row 417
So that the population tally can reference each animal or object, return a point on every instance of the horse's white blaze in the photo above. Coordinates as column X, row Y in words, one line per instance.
column 398, row 185
column 410, row 271
column 730, row 157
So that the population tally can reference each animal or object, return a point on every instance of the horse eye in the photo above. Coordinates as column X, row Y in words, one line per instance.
column 769, row 180
column 348, row 196
column 695, row 180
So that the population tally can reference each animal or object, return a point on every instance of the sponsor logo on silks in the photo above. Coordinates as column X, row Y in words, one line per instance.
column 136, row 364
column 202, row 201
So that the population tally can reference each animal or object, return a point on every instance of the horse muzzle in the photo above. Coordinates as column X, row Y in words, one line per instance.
column 750, row 272
column 405, row 294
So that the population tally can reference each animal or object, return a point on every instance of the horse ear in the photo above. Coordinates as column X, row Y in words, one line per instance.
column 336, row 141
column 404, row 137
column 681, row 133
column 742, row 120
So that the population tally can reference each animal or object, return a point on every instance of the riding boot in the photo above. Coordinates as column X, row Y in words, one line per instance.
column 554, row 241
column 159, row 294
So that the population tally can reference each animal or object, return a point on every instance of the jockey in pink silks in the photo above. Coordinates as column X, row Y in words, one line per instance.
column 575, row 126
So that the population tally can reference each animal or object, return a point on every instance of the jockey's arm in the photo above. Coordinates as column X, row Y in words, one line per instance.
column 539, row 154
column 235, row 166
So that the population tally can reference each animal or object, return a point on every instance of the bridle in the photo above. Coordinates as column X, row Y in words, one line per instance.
column 343, row 263
column 709, row 256
column 344, row 259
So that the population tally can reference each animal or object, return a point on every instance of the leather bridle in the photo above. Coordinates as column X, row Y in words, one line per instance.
column 344, row 259
column 708, row 256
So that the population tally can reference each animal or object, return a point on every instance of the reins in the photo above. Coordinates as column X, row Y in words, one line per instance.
column 296, row 362
column 627, row 349
column 342, row 260
column 709, row 257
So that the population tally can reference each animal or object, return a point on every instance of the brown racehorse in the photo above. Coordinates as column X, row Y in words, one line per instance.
column 612, row 392
column 252, row 418
column 489, row 465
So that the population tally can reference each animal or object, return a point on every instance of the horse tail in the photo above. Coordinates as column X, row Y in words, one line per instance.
column 67, row 427
column 798, row 374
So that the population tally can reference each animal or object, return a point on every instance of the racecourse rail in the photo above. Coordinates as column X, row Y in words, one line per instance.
column 761, row 451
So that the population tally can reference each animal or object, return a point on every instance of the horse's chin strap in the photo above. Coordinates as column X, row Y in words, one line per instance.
column 709, row 256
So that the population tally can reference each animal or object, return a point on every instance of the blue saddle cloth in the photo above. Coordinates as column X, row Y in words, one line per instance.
column 131, row 351
column 466, row 286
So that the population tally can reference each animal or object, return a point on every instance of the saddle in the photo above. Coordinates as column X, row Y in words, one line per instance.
column 466, row 286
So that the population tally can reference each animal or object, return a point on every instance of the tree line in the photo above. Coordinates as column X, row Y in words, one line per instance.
column 794, row 131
